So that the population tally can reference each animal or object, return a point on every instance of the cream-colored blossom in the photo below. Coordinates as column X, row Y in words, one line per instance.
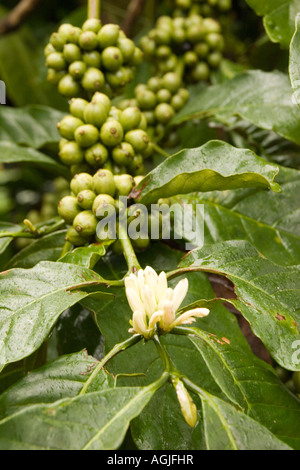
column 154, row 304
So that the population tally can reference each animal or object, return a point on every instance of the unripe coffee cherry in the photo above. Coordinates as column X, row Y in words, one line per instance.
column 80, row 182
column 88, row 41
column 130, row 118
column 92, row 59
column 77, row 107
column 108, row 35
column 127, row 47
column 164, row 113
column 104, row 204
column 57, row 41
column 138, row 139
column 97, row 155
column 95, row 114
column 68, row 209
column 77, row 69
column 111, row 133
column 123, row 154
column 92, row 24
column 56, row 61
column 102, row 100
column 68, row 126
column 93, row 80
column 72, row 53
column 124, row 184
column 86, row 199
column 112, row 58
column 146, row 99
column 68, row 87
column 104, row 182
column 172, row 81
column 86, row 135
column 71, row 154
column 75, row 238
column 201, row 72
column 141, row 243
column 55, row 77
column 85, row 223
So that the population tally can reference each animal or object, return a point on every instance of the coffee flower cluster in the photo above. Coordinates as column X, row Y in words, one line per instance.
column 154, row 304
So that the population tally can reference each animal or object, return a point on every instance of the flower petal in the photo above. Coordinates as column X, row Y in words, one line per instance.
column 162, row 286
column 134, row 300
column 156, row 318
column 180, row 292
column 168, row 316
column 190, row 316
column 139, row 323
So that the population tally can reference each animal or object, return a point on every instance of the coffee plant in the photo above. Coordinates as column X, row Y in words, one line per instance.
column 150, row 225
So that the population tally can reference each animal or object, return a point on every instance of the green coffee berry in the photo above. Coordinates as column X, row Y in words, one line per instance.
column 164, row 96
column 95, row 114
column 68, row 87
column 49, row 49
column 72, row 53
column 86, row 199
column 75, row 238
column 57, row 41
column 146, row 99
column 117, row 248
column 71, row 154
column 214, row 59
column 92, row 59
column 77, row 69
column 54, row 77
column 77, row 107
column 68, row 126
column 164, row 113
column 102, row 99
column 67, row 31
column 104, row 182
column 137, row 167
column 80, row 182
column 97, row 155
column 86, row 135
column 138, row 179
column 108, row 35
column 118, row 79
column 111, row 133
column 202, row 50
column 112, row 58
column 155, row 84
column 114, row 113
column 138, row 139
column 68, row 209
column 102, row 204
column 130, row 118
column 88, row 41
column 201, row 72
column 123, row 154
column 92, row 24
column 177, row 102
column 172, row 81
column 127, row 48
column 124, row 184
column 141, row 243
column 93, row 80
column 137, row 57
column 56, row 61
column 85, row 223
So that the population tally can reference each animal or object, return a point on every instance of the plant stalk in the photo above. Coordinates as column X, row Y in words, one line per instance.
column 94, row 9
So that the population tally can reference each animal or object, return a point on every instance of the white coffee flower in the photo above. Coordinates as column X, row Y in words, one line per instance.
column 155, row 304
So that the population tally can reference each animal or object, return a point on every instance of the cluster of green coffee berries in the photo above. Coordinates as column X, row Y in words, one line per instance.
column 191, row 46
column 98, row 135
column 93, row 58
column 92, row 198
column 206, row 8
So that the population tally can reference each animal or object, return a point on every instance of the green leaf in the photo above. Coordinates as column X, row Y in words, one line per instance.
column 267, row 294
column 262, row 98
column 87, row 256
column 11, row 153
column 249, row 383
column 31, row 300
column 61, row 378
column 226, row 428
column 32, row 126
column 97, row 421
column 214, row 166
column 294, row 66
column 279, row 18
column 258, row 216
column 48, row 248
column 7, row 227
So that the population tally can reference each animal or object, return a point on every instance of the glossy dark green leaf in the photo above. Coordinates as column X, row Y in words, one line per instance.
column 267, row 294
column 11, row 153
column 226, row 428
column 271, row 222
column 279, row 18
column 48, row 248
column 31, row 302
column 263, row 98
column 214, row 166
column 294, row 68
column 97, row 421
column 62, row 378
column 86, row 256
column 32, row 126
